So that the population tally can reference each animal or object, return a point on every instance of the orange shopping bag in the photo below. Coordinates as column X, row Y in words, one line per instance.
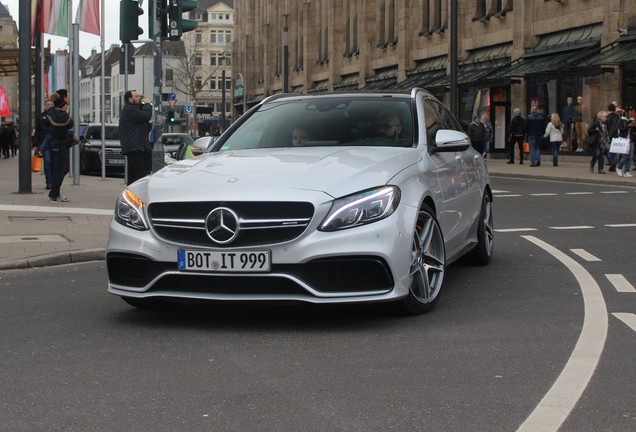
column 526, row 147
column 36, row 164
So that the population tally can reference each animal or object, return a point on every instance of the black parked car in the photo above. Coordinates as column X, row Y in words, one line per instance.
column 91, row 148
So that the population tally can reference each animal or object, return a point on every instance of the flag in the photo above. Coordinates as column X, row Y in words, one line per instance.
column 53, row 18
column 88, row 16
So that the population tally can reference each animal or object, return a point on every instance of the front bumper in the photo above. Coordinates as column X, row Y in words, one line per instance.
column 364, row 264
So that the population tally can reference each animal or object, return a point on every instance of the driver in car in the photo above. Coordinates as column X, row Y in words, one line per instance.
column 388, row 125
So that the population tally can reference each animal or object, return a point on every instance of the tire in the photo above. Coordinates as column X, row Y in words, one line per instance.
column 151, row 303
column 428, row 265
column 482, row 253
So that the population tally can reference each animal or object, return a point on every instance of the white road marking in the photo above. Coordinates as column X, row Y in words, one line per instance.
column 508, row 230
column 562, row 397
column 38, row 238
column 572, row 227
column 508, row 196
column 496, row 191
column 631, row 225
column 585, row 255
column 544, row 194
column 627, row 318
column 61, row 209
column 579, row 193
column 620, row 283
column 614, row 192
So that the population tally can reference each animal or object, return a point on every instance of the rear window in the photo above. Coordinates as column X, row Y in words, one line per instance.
column 95, row 133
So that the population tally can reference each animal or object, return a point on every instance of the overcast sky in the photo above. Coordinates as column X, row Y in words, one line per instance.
column 87, row 41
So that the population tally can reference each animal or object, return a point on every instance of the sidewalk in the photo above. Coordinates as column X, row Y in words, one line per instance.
column 35, row 232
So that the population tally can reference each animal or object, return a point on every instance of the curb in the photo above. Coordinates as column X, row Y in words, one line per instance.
column 58, row 258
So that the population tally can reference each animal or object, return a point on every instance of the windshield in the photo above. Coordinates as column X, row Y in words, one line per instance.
column 334, row 121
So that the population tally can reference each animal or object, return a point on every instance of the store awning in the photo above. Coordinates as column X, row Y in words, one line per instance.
column 384, row 78
column 619, row 52
column 559, row 54
column 476, row 70
column 348, row 82
column 426, row 71
column 319, row 86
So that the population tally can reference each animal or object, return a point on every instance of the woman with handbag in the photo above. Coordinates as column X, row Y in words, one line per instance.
column 554, row 131
column 598, row 141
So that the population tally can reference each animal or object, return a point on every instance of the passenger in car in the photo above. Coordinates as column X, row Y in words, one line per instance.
column 300, row 136
column 388, row 125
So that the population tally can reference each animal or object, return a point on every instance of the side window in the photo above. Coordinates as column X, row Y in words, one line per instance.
column 432, row 120
column 447, row 118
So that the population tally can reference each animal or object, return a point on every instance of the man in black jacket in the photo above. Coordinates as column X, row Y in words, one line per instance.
column 59, row 123
column 133, row 134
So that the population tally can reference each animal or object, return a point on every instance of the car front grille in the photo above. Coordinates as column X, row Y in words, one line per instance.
column 261, row 223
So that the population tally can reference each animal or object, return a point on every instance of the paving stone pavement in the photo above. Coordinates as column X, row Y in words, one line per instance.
column 35, row 232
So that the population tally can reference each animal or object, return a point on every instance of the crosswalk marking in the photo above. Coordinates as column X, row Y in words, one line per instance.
column 585, row 255
column 627, row 318
column 621, row 284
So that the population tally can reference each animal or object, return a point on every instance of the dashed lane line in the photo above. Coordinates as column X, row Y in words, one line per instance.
column 575, row 227
column 544, row 194
column 562, row 397
column 579, row 193
column 513, row 230
column 614, row 192
column 620, row 283
column 585, row 255
column 630, row 225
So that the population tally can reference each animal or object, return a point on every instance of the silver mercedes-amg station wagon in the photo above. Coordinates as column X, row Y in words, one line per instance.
column 324, row 198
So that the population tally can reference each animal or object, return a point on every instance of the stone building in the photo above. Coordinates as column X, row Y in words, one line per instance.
column 509, row 54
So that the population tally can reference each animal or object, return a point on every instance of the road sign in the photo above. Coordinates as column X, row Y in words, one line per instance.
column 172, row 102
column 188, row 109
column 172, row 96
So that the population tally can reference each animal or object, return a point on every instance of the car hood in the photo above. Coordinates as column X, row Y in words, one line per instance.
column 265, row 173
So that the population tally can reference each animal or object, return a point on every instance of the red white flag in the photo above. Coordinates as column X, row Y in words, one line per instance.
column 53, row 17
column 88, row 16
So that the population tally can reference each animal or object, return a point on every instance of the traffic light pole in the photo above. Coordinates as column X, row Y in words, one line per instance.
column 158, row 152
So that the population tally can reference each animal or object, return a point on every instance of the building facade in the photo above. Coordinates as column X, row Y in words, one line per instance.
column 209, row 55
column 509, row 54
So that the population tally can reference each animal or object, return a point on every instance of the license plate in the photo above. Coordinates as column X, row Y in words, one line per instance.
column 114, row 161
column 226, row 261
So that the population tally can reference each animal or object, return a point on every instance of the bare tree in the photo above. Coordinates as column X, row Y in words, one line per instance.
column 190, row 75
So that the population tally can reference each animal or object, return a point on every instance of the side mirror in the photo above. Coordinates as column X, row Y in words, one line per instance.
column 448, row 140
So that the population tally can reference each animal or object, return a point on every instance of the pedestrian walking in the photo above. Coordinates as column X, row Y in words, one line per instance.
column 134, row 125
column 476, row 133
column 43, row 137
column 59, row 123
column 624, row 127
column 535, row 128
column 598, row 141
column 516, row 136
column 554, row 132
column 489, row 133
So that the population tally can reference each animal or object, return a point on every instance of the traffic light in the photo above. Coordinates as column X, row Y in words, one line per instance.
column 176, row 24
column 171, row 116
column 129, row 12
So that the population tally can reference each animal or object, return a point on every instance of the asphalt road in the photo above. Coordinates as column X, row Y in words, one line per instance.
column 542, row 321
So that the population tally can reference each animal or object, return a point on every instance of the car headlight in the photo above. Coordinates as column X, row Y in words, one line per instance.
column 129, row 211
column 362, row 208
